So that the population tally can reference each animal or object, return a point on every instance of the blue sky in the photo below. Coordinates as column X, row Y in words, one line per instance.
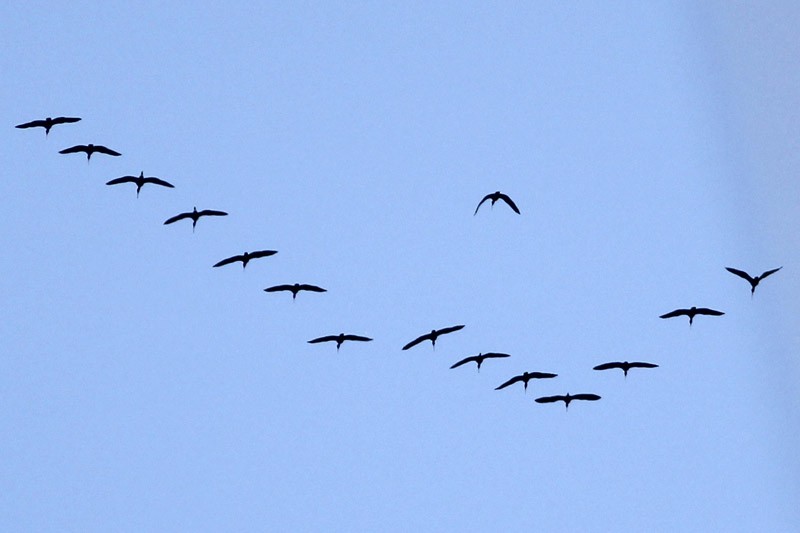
column 647, row 146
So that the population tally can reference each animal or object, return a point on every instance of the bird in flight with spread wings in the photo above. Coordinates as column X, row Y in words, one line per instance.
column 625, row 366
column 494, row 197
column 480, row 358
column 89, row 149
column 195, row 216
column 47, row 123
column 752, row 280
column 568, row 398
column 246, row 257
column 525, row 377
column 432, row 336
column 140, row 180
column 295, row 288
column 339, row 339
column 692, row 312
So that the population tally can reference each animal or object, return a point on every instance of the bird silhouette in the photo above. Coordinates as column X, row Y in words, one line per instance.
column 339, row 339
column 691, row 312
column 246, row 257
column 89, row 149
column 753, row 281
column 47, row 123
column 625, row 366
column 140, row 180
column 494, row 197
column 525, row 377
column 295, row 288
column 195, row 216
column 568, row 398
column 480, row 358
column 432, row 336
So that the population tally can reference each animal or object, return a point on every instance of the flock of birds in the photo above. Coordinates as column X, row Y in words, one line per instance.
column 434, row 334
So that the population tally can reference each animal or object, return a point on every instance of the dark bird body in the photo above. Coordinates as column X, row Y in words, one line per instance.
column 568, row 398
column 625, row 366
column 339, row 339
column 525, row 377
column 89, row 149
column 246, row 257
column 494, row 197
column 753, row 281
column 692, row 312
column 295, row 288
column 47, row 123
column 432, row 336
column 195, row 216
column 140, row 180
column 480, row 358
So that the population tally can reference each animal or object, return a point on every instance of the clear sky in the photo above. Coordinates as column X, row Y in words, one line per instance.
column 648, row 145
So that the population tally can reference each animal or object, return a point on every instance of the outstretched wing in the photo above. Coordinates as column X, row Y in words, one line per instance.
column 509, row 382
column 638, row 364
column 606, row 366
column 707, row 311
column 229, row 260
column 418, row 340
column 510, row 202
column 157, row 181
column 466, row 360
column 178, row 217
column 677, row 312
column 451, row 329
column 495, row 355
column 212, row 213
column 356, row 338
column 74, row 149
column 262, row 253
column 311, row 288
column 277, row 288
column 326, row 338
column 769, row 272
column 740, row 273
column 64, row 120
column 32, row 124
column 123, row 179
column 551, row 399
column 487, row 197
column 103, row 150
column 541, row 375
column 588, row 397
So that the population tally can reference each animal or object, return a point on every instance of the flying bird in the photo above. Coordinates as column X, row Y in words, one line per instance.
column 195, row 216
column 140, row 180
column 89, row 149
column 692, row 312
column 625, row 366
column 47, row 123
column 525, row 377
column 295, row 288
column 753, row 281
column 480, row 358
column 432, row 336
column 568, row 398
column 339, row 339
column 497, row 195
column 245, row 257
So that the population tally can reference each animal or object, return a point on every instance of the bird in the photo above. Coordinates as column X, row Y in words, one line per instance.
column 47, row 123
column 691, row 312
column 497, row 195
column 753, row 281
column 89, row 149
column 568, row 398
column 295, row 288
column 525, row 377
column 480, row 358
column 195, row 216
column 339, row 339
column 625, row 366
column 432, row 336
column 245, row 257
column 140, row 180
